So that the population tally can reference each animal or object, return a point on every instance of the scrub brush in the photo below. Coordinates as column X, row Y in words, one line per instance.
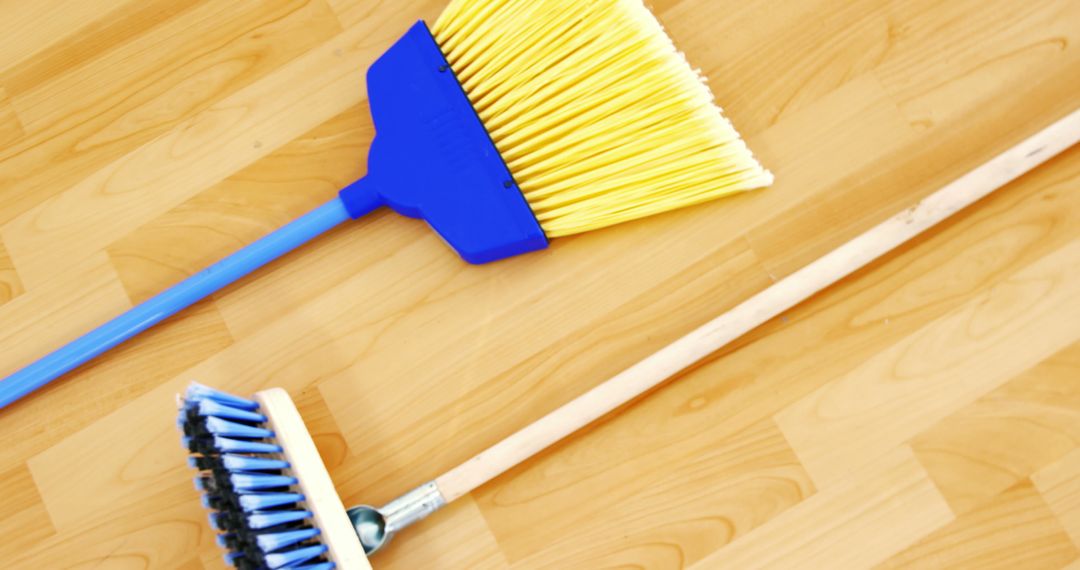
column 271, row 498
column 274, row 502
column 508, row 123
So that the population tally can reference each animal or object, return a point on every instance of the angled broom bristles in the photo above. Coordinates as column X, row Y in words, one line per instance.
column 598, row 116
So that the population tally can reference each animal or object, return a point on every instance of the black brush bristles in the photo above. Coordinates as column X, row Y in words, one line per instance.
column 253, row 500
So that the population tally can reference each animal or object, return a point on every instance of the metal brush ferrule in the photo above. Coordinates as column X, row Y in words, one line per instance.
column 376, row 526
column 412, row 507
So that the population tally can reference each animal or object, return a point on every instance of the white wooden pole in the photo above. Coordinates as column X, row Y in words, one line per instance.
column 758, row 309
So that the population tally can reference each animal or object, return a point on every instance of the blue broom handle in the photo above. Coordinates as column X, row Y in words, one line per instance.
column 172, row 300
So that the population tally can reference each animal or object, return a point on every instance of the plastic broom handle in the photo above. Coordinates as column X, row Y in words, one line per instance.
column 176, row 298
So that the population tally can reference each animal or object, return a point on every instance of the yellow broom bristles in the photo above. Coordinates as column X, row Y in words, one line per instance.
column 598, row 116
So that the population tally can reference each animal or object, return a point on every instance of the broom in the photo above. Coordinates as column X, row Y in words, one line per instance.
column 510, row 123
column 273, row 500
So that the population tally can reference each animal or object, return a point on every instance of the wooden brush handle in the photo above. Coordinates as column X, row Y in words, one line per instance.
column 758, row 309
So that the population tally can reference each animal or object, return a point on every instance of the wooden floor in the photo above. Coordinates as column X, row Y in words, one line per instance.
column 923, row 413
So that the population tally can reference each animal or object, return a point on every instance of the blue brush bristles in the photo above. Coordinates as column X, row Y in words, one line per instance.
column 253, row 499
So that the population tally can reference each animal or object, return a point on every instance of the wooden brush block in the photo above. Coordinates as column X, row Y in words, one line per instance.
column 320, row 497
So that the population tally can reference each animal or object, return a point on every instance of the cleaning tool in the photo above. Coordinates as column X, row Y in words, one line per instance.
column 516, row 121
column 272, row 497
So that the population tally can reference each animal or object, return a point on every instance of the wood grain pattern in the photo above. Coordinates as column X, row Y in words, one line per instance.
column 11, row 128
column 1010, row 434
column 1060, row 485
column 1012, row 530
column 917, row 381
column 853, row 524
column 922, row 413
column 10, row 284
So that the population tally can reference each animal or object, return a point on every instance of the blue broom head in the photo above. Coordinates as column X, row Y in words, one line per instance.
column 254, row 503
column 433, row 159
